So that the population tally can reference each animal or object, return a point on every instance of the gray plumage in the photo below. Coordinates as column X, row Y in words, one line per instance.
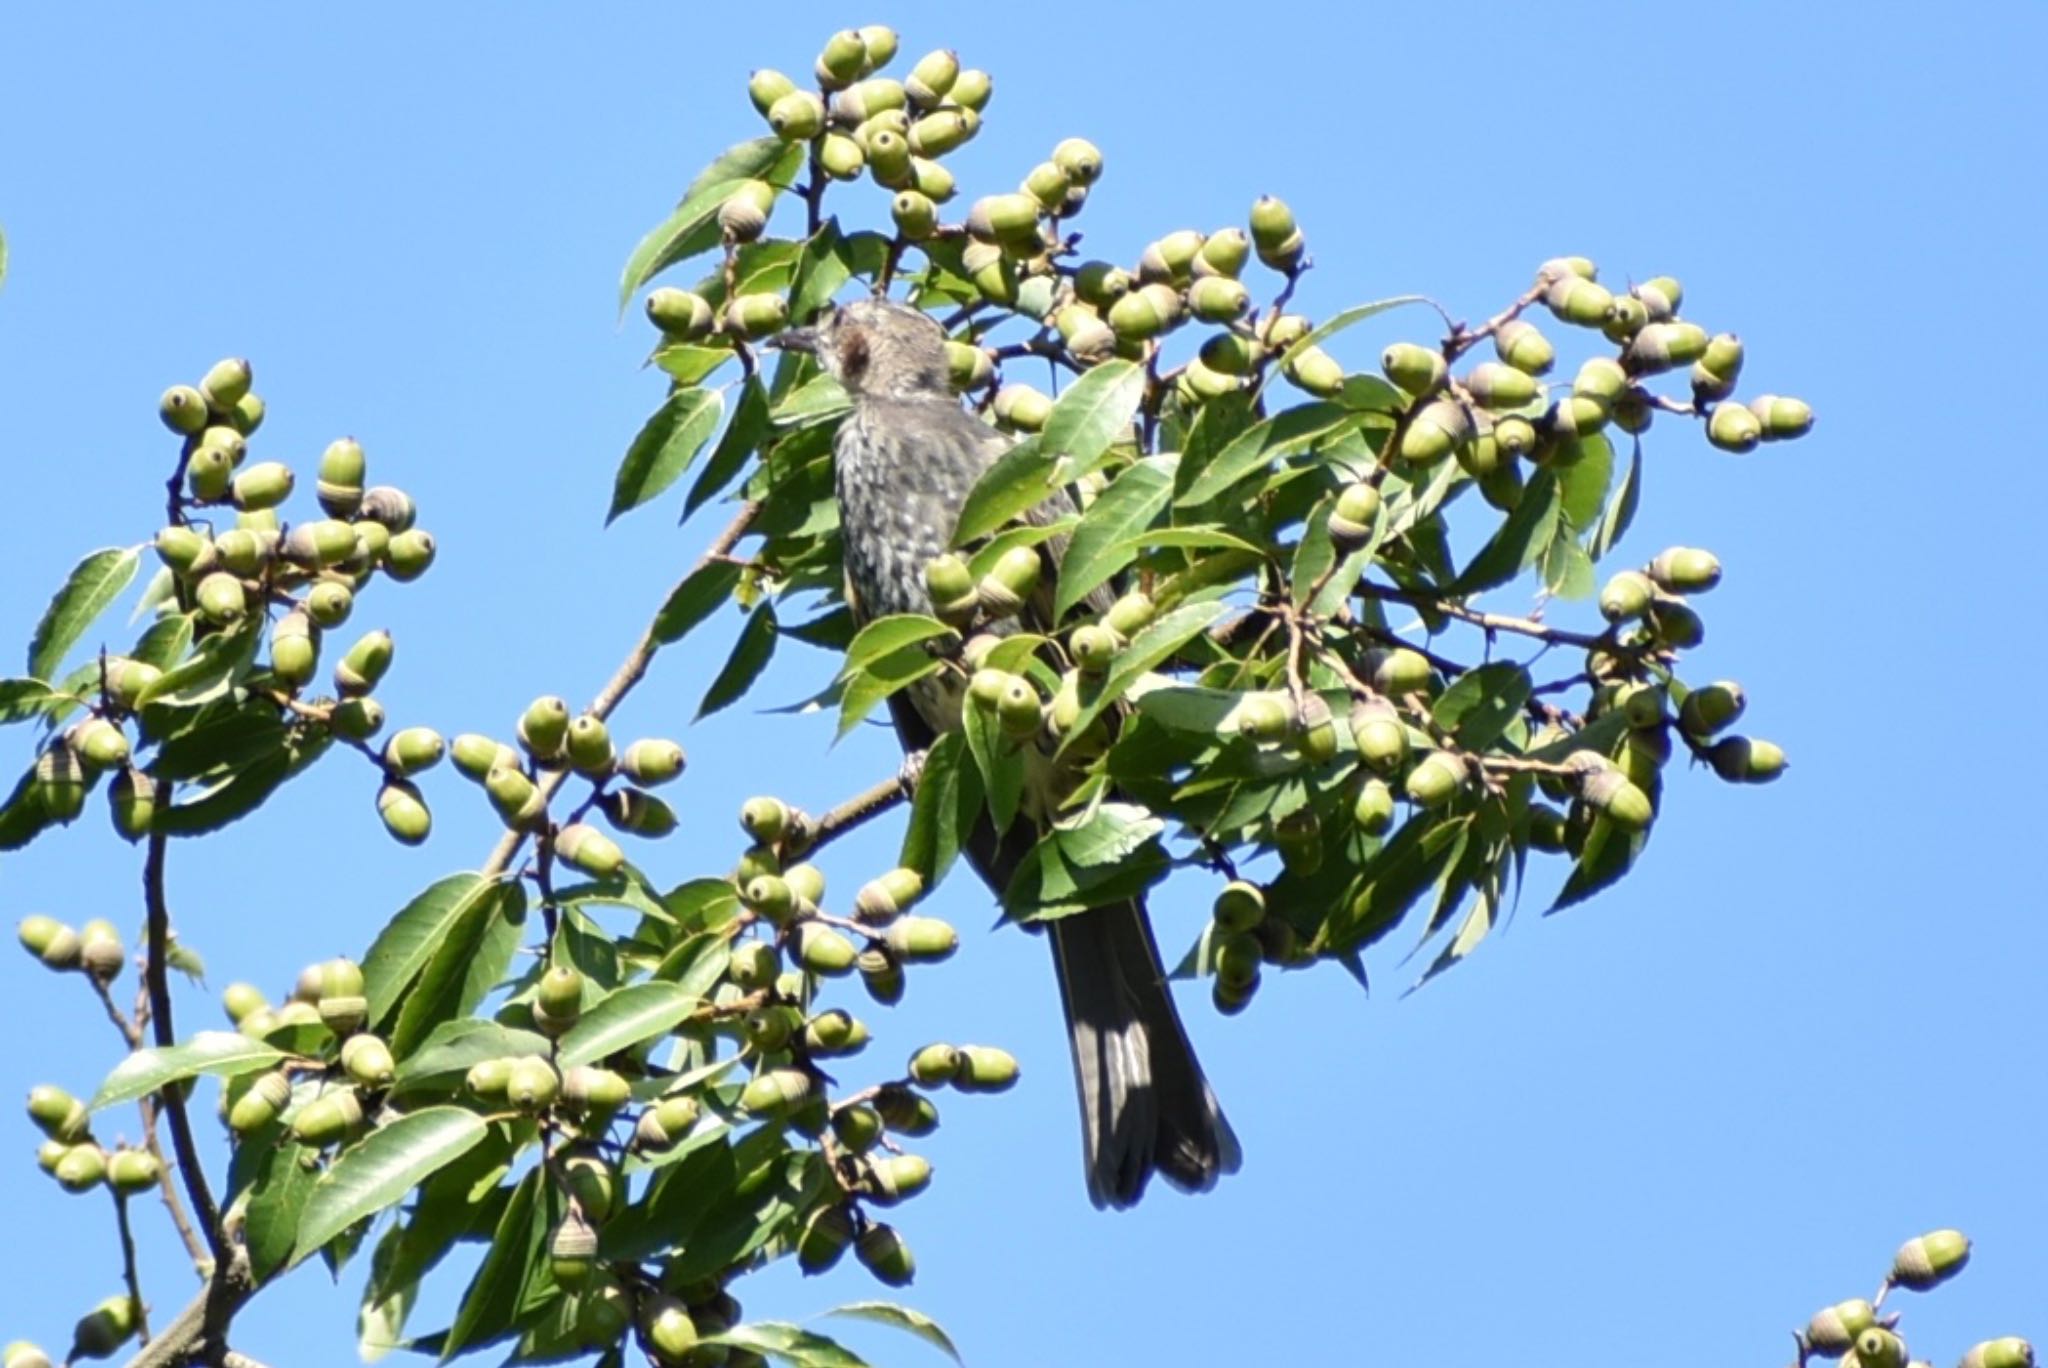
column 905, row 460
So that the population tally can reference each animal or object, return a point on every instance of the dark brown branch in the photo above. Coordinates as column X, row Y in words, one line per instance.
column 128, row 1271
column 156, row 971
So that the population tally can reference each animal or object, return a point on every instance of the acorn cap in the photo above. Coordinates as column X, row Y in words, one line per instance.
column 328, row 1118
column 1521, row 344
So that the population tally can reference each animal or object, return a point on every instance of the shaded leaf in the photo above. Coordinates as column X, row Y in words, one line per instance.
column 22, row 699
column 405, row 945
column 1608, row 853
column 1164, row 636
column 750, row 655
column 943, row 810
column 1519, row 541
column 743, row 434
column 1567, row 569
column 789, row 1344
column 1091, row 414
column 1621, row 507
column 493, row 1297
column 886, row 635
column 702, row 592
column 220, row 659
column 383, row 1167
column 1584, row 468
column 1481, row 703
column 471, row 961
column 1020, row 479
column 446, row 1054
column 93, row 583
column 903, row 1318
column 665, row 446
column 240, row 791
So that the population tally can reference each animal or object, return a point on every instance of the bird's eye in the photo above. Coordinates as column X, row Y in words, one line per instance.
column 853, row 353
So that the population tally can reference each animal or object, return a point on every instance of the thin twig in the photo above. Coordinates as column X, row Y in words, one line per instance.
column 156, row 972
column 128, row 1273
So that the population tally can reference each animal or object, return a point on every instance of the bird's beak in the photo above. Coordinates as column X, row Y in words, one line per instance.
column 796, row 340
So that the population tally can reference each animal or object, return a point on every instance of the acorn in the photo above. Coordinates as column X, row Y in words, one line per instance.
column 532, row 1084
column 921, row 940
column 22, row 1354
column 367, row 1060
column 943, row 131
column 1548, row 829
column 666, row 1122
column 588, row 746
column 1094, row 649
column 972, row 89
column 1746, row 760
column 363, row 666
column 238, row 1000
column 544, row 727
column 857, row 1128
column 914, row 214
column 105, row 1328
column 1436, row 778
column 260, row 1105
column 1219, row 299
column 755, row 861
column 58, row 946
column 1715, row 373
column 1926, row 1261
column 843, row 60
column 1675, row 625
column 1878, row 1347
column 1607, row 790
column 1377, row 732
column 754, row 316
column 1315, row 730
column 1138, row 316
column 1560, row 267
column 130, row 1171
column 590, row 1181
column 183, row 410
column 1399, row 671
column 518, row 800
column 408, row 555
column 221, row 598
column 1633, row 412
column 766, row 819
column 1435, row 430
column 669, row 1333
column 1003, row 218
column 1576, row 299
column 1237, row 958
column 1299, row 838
column 1781, row 418
column 100, row 744
column 906, row 1112
column 243, row 552
column 797, row 117
column 744, row 214
column 584, row 847
column 984, row 1069
column 572, row 1249
column 837, row 1032
column 776, row 1092
column 1685, row 570
column 100, row 952
column 1661, row 347
column 1239, row 906
column 1734, row 428
column 931, row 80
column 1626, row 596
column 894, row 1178
column 58, row 1114
column 80, row 1168
column 1373, row 809
column 1496, row 385
column 604, row 1311
column 263, row 485
column 391, row 506
column 126, row 679
column 883, row 1253
column 1629, row 317
column 968, row 367
column 1414, row 369
column 329, row 603
column 488, row 1079
column 884, row 898
column 2008, row 1352
column 209, row 473
column 405, row 812
column 888, row 154
column 823, row 950
column 413, row 750
column 679, row 313
column 643, row 814
column 1661, row 295
column 247, row 415
column 825, row 1236
column 1004, row 590
column 881, row 974
column 651, row 761
column 1264, row 717
column 754, row 964
column 863, row 100
column 1315, row 371
column 1522, row 345
column 328, row 1118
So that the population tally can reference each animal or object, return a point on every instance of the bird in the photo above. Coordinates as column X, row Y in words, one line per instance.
column 905, row 459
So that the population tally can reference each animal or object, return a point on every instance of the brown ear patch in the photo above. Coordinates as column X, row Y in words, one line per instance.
column 853, row 353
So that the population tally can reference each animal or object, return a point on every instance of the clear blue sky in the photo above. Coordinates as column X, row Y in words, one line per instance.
column 1666, row 1125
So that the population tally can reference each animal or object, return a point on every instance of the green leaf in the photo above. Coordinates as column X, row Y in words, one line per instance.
column 166, row 641
column 469, row 963
column 903, row 1318
column 94, row 583
column 1520, row 540
column 226, row 741
column 1001, row 768
column 818, row 400
column 518, row 1245
column 1019, row 479
column 880, row 679
column 665, row 447
column 887, row 635
column 623, row 1020
column 1091, row 414
column 1157, row 643
column 406, row 944
column 281, row 1173
column 1621, row 507
column 1608, row 853
column 745, row 1216
column 700, row 594
column 1186, row 708
column 1584, row 468
column 21, row 699
column 1479, row 920
column 1285, row 434
column 789, row 1344
column 1102, row 544
column 1113, row 832
column 383, row 1167
column 446, row 1054
column 1481, row 703
column 750, row 655
column 693, row 227
column 220, row 659
column 743, row 435
column 1337, row 323
column 1051, row 883
column 236, row 793
column 1567, row 569
column 943, row 810
column 22, row 818
column 225, row 1054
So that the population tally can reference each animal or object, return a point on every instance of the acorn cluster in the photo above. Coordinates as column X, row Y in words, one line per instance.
column 1859, row 1334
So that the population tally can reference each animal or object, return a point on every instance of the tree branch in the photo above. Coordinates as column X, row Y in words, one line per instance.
column 128, row 1272
column 156, row 973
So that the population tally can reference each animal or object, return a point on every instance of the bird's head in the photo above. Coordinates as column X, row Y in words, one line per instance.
column 877, row 347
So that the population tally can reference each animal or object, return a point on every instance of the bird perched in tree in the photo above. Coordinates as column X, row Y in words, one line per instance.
column 905, row 460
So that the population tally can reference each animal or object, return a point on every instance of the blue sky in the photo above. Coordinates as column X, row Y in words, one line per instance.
column 1671, row 1123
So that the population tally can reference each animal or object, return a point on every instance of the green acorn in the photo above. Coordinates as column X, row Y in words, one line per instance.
column 1100, row 283
column 1003, row 218
column 1522, row 345
column 1315, row 730
column 100, row 744
column 518, row 800
column 1219, row 299
column 1548, row 829
column 221, row 598
column 572, row 1249
column 588, row 745
column 1228, row 353
column 1878, row 1347
column 1675, row 625
column 1781, row 418
column 81, row 1168
column 126, row 679
column 329, row 603
column 367, row 1060
column 242, row 552
column 263, row 485
column 1661, row 347
column 1377, row 732
column 1399, row 672
column 1558, row 268
column 651, row 761
column 1715, row 373
column 943, row 131
column 391, row 506
column 906, row 1112
column 1224, row 253
column 984, row 1069
column 1264, row 717
column 931, row 80
column 185, row 550
column 766, row 86
column 105, row 1328
column 238, row 1000
column 209, row 473
column 878, row 44
column 341, row 472
column 1602, row 379
column 1272, row 224
column 914, row 214
column 544, row 727
column 318, row 544
column 132, row 799
column 558, row 1000
column 823, row 950
column 248, row 414
column 666, row 1122
column 843, row 61
column 328, row 1119
column 1513, row 436
column 669, row 1333
column 591, row 1182
column 894, row 1178
column 884, row 898
column 408, row 554
column 405, row 813
column 58, row 782
column 1685, row 570
column 2009, row 1352
column 260, row 1105
column 1609, row 791
column 777, row 1092
column 1632, row 412
column 1094, row 648
column 881, row 974
column 22, row 1354
column 604, row 1311
column 883, row 1253
column 1575, row 415
column 825, row 1236
column 754, row 964
column 743, row 216
column 100, row 952
column 1661, row 295
column 488, row 1078
column 532, row 1085
column 754, row 316
column 1079, row 158
column 1576, row 299
column 1435, row 430
column 1239, row 906
column 131, row 1171
column 1746, row 760
column 1374, row 808
column 1436, row 778
column 1926, row 1261
column 1496, row 385
column 1130, row 614
column 1630, row 316
column 1354, row 517
column 931, row 180
column 1712, row 708
column 1005, row 589
column 863, row 100
column 183, row 410
column 888, row 156
column 765, row 819
column 1734, row 428
column 921, row 940
column 58, row 1114
column 834, row 1033
column 797, row 117
column 857, row 1128
column 755, row 861
column 1417, row 370
column 1626, row 596
column 679, row 313
column 586, row 848
column 414, row 750
column 363, row 666
column 641, row 813
column 1137, row 316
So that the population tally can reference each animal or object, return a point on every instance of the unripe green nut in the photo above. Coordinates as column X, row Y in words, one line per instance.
column 1734, row 428
column 329, row 603
column 984, row 1069
column 921, row 940
column 906, row 1112
column 934, row 1065
column 1712, row 708
column 888, row 152
column 1436, row 778
column 105, row 1328
column 1022, row 407
column 1626, row 596
column 766, row 819
column 1265, row 717
column 666, row 1122
column 894, row 1178
column 972, row 89
column 884, row 898
column 248, row 414
column 476, row 754
column 1003, row 218
column 1576, row 299
column 518, row 800
column 414, row 749
column 1399, row 672
column 1100, row 283
column 1414, row 369
column 1238, row 957
column 1746, row 760
column 101, row 744
column 914, row 214
column 1373, row 810
column 532, row 1084
column 58, row 1114
column 81, row 1168
column 1609, row 791
column 754, row 316
column 367, row 1061
column 1665, row 346
column 857, row 1128
column 58, row 946
column 588, row 746
column 1601, row 378
column 100, row 952
column 1521, row 344
column 183, row 410
column 131, row 1171
column 823, row 1239
column 389, row 505
column 364, row 665
column 967, row 366
column 941, row 132
column 834, row 1033
column 777, row 1092
column 1381, row 739
column 823, row 950
column 59, row 783
column 1272, row 222
column 844, row 59
column 221, row 598
column 679, row 313
column 1629, row 317
column 931, row 80
column 586, row 848
column 651, row 761
column 1675, row 625
column 1005, row 589
column 1436, row 429
column 743, row 216
column 1137, row 316
column 1079, row 158
column 797, row 117
column 1224, row 252
column 1926, row 1261
column 1496, row 385
column 1130, row 614
column 1878, row 1347
column 328, row 1118
column 1219, row 299
column 1686, row 570
column 408, row 554
column 882, row 975
column 1315, row 371
column 669, row 1333
column 766, row 86
column 263, row 485
column 1239, row 906
column 1781, row 418
column 544, row 727
column 209, row 472
column 2009, row 1352
column 643, row 814
column 404, row 812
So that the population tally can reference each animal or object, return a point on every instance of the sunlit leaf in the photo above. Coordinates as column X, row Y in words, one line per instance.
column 903, row 1318
column 665, row 446
column 1102, row 543
column 383, row 1167
column 693, row 227
column 225, row 1054
column 93, row 583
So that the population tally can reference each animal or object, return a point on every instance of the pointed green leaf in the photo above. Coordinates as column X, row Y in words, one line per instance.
column 1285, row 434
column 1020, row 479
column 444, row 1057
column 887, row 635
column 383, row 1167
column 903, row 1318
column 665, row 447
column 943, row 810
column 472, row 960
column 225, row 1054
column 1519, row 542
column 1091, row 414
column 1102, row 544
column 405, row 945
column 880, row 679
column 517, row 1245
column 1584, row 468
column 93, row 583
column 702, row 592
column 623, row 1020
column 789, row 1344
column 1156, row 644
column 693, row 227
column 1567, row 569
column 1621, row 507
column 743, row 435
column 1481, row 703
column 21, row 699
column 750, row 655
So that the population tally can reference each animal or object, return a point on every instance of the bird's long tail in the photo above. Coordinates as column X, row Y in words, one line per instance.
column 1145, row 1105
